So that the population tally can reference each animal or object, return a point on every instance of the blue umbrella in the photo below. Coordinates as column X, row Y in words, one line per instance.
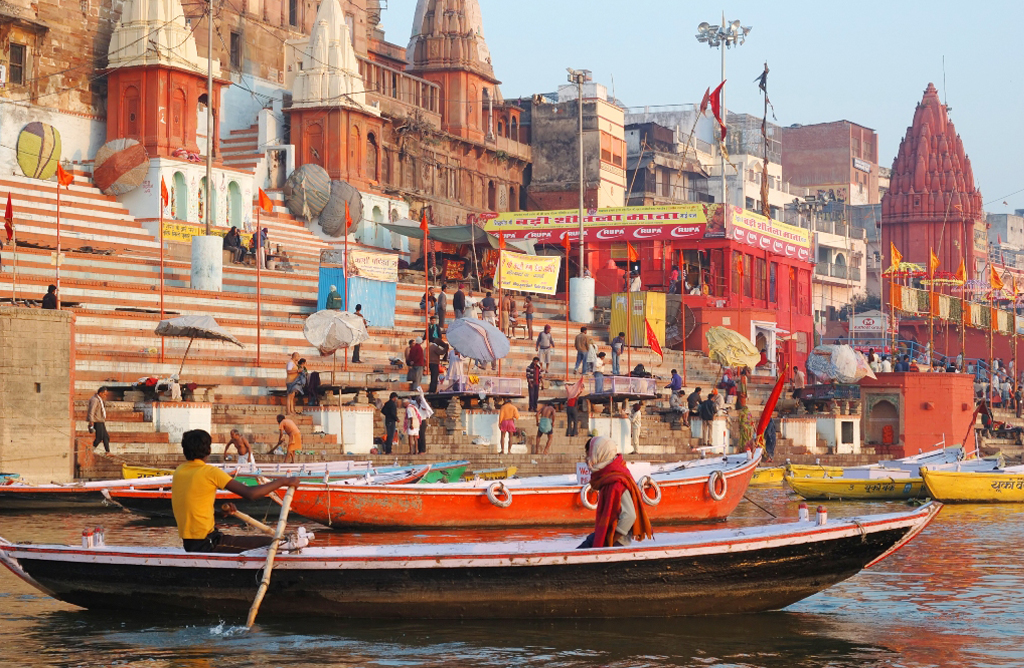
column 478, row 340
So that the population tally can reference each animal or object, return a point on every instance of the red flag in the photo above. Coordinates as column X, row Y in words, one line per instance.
column 9, row 218
column 423, row 222
column 705, row 101
column 565, row 242
column 769, row 405
column 63, row 178
column 716, row 107
column 501, row 241
column 266, row 204
column 165, row 197
column 631, row 253
column 348, row 218
column 652, row 339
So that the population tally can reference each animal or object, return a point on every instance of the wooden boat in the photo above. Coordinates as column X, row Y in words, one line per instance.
column 491, row 474
column 1000, row 486
column 812, row 471
column 693, row 491
column 156, row 503
column 441, row 472
column 888, row 480
column 19, row 496
column 721, row 571
column 768, row 475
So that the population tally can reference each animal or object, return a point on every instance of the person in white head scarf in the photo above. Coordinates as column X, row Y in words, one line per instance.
column 621, row 517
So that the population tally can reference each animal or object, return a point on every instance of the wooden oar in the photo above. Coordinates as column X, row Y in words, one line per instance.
column 230, row 510
column 271, row 553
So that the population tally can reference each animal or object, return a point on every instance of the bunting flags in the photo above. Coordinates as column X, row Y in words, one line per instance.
column 716, row 108
column 933, row 262
column 993, row 279
column 267, row 205
column 9, row 218
column 652, row 339
column 165, row 197
column 631, row 253
column 961, row 273
column 64, row 178
column 895, row 256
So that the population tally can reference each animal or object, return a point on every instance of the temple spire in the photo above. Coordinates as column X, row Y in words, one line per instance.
column 449, row 35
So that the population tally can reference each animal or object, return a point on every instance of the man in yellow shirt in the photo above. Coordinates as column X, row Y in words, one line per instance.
column 194, row 493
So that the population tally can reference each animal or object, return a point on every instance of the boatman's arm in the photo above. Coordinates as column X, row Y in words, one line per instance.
column 260, row 491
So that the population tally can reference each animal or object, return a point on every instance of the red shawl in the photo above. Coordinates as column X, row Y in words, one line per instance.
column 611, row 481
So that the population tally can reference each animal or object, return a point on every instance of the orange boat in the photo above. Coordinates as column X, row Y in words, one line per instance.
column 693, row 491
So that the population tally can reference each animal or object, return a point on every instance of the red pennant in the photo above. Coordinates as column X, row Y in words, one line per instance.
column 652, row 339
column 631, row 253
column 348, row 218
column 9, row 218
column 265, row 202
column 423, row 222
column 716, row 107
column 565, row 242
column 501, row 241
column 165, row 197
column 705, row 101
column 63, row 177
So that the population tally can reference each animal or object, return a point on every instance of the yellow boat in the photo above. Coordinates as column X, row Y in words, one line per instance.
column 813, row 471
column 768, row 475
column 1005, row 486
column 134, row 472
column 879, row 488
column 491, row 474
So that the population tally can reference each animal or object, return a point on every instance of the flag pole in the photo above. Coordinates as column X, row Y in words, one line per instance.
column 57, row 259
column 501, row 293
column 629, row 316
column 931, row 307
column 348, row 226
column 258, row 246
column 161, row 236
column 567, row 246
column 426, row 283
column 14, row 240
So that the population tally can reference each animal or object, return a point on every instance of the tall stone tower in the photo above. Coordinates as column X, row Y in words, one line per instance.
column 932, row 202
column 448, row 48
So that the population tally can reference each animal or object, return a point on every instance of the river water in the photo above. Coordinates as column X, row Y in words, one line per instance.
column 953, row 597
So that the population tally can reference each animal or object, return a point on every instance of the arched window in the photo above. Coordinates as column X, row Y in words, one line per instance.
column 378, row 215
column 513, row 129
column 372, row 169
column 484, row 107
column 178, row 106
column 501, row 129
column 492, row 197
column 354, row 163
column 179, row 197
column 234, row 205
column 471, row 113
column 131, row 111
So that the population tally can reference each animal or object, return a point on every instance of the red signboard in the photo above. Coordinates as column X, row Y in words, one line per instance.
column 547, row 235
column 765, row 242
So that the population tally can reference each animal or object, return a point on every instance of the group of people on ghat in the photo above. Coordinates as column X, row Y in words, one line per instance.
column 504, row 312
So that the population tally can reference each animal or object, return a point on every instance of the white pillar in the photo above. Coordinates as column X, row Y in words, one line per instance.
column 207, row 263
column 581, row 299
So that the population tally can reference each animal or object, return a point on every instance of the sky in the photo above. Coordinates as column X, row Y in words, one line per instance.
column 867, row 61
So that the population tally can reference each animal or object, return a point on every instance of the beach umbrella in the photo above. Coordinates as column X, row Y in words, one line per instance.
column 478, row 340
column 329, row 330
column 194, row 327
column 731, row 349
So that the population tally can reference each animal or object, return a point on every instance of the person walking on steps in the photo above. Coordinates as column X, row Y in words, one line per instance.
column 366, row 323
column 507, row 417
column 97, row 417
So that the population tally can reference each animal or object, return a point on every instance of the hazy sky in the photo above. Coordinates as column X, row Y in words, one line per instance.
column 867, row 61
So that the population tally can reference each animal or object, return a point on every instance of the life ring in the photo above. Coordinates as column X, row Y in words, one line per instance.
column 493, row 491
column 585, row 497
column 648, row 482
column 713, row 481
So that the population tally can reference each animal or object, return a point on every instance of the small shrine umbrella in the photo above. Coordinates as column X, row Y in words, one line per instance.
column 478, row 340
column 194, row 327
column 329, row 330
column 731, row 349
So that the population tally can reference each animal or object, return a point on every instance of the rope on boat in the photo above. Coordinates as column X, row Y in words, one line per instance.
column 773, row 515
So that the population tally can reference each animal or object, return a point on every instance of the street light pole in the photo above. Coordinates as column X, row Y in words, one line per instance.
column 726, row 35
column 579, row 77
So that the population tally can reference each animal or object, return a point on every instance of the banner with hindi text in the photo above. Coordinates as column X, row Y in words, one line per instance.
column 374, row 266
column 528, row 273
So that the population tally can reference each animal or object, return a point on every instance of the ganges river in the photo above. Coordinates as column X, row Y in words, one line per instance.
column 953, row 597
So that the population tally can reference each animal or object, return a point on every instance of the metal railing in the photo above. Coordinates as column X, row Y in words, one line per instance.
column 841, row 271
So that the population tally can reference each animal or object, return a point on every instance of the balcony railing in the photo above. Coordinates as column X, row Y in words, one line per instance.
column 840, row 271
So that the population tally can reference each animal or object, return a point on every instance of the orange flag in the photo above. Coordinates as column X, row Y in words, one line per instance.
column 933, row 262
column 64, row 178
column 895, row 256
column 423, row 222
column 165, row 197
column 961, row 273
column 994, row 280
column 631, row 253
column 9, row 218
column 652, row 339
column 501, row 241
column 566, row 243
column 348, row 218
column 265, row 203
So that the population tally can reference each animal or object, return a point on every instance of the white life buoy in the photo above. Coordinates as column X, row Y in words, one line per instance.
column 645, row 483
column 585, row 497
column 492, row 494
column 713, row 480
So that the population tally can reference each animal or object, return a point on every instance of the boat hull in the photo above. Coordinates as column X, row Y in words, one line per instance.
column 401, row 508
column 157, row 504
column 708, row 573
column 840, row 489
column 768, row 475
column 974, row 487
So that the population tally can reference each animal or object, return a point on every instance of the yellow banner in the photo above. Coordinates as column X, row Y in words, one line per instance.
column 375, row 266
column 528, row 273
column 178, row 231
column 758, row 231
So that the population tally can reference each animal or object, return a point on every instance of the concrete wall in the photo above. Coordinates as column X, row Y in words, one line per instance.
column 36, row 358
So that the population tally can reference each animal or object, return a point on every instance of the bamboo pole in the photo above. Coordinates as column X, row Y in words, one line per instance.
column 14, row 241
column 56, row 260
column 260, row 254
column 268, row 567
column 231, row 510
column 189, row 347
column 567, row 309
column 163, row 347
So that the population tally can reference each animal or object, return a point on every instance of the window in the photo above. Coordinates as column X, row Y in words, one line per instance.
column 748, row 276
column 350, row 21
column 236, row 51
column 737, row 272
column 612, row 150
column 760, row 269
column 293, row 12
column 773, row 280
column 18, row 64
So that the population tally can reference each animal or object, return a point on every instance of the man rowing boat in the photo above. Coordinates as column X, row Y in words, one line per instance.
column 194, row 492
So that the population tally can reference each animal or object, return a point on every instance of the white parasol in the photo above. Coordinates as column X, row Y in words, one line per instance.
column 330, row 330
column 194, row 327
